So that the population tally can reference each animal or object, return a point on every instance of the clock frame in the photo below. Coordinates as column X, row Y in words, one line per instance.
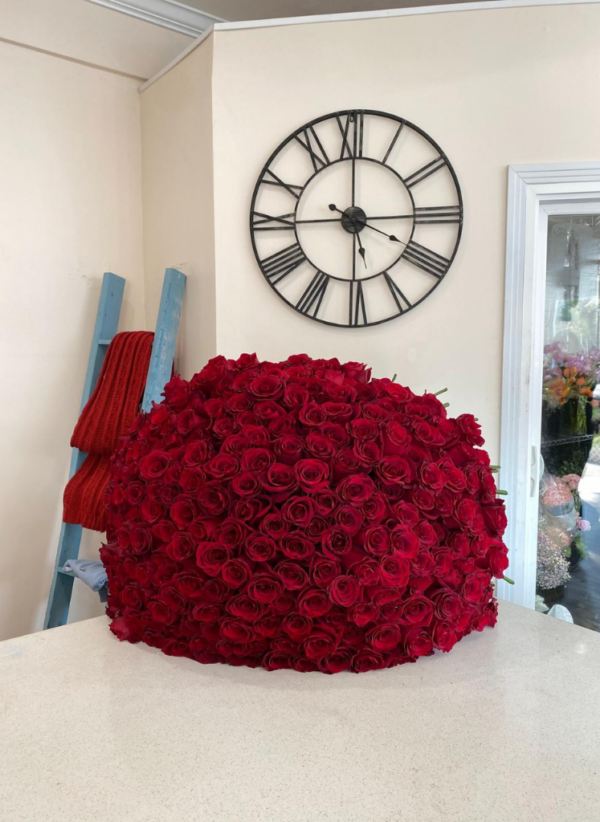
column 281, row 266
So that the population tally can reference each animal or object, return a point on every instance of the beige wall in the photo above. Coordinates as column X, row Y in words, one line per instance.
column 80, row 30
column 178, row 199
column 70, row 208
column 493, row 87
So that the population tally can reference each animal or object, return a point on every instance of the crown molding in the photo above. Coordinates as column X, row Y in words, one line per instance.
column 166, row 13
column 449, row 8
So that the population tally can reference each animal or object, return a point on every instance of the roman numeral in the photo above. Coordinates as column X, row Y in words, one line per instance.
column 396, row 293
column 282, row 263
column 438, row 214
column 356, row 305
column 277, row 181
column 313, row 296
column 264, row 222
column 352, row 138
column 424, row 258
column 309, row 140
column 393, row 143
column 424, row 172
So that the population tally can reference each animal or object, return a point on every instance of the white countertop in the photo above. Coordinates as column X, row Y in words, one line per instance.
column 505, row 727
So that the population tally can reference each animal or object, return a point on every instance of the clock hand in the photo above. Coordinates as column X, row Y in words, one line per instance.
column 391, row 237
column 361, row 248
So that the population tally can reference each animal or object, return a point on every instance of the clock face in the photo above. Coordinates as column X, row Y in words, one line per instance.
column 356, row 218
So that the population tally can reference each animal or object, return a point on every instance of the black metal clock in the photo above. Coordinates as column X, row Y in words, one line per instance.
column 356, row 218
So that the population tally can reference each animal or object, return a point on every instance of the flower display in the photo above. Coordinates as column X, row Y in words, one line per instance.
column 569, row 376
column 552, row 566
column 301, row 515
column 557, row 494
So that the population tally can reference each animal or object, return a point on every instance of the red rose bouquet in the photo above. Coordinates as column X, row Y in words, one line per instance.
column 301, row 515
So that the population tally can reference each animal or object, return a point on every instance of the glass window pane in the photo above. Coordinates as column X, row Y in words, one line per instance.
column 568, row 560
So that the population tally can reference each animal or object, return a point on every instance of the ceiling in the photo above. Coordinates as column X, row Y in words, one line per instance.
column 265, row 9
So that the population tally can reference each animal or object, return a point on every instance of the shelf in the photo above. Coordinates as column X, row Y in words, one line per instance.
column 568, row 440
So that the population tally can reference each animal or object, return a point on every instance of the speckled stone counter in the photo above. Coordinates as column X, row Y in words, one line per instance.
column 506, row 727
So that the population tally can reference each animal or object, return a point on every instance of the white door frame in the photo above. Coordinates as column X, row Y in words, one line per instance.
column 534, row 191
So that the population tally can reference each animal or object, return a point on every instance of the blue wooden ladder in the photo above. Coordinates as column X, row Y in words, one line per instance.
column 159, row 373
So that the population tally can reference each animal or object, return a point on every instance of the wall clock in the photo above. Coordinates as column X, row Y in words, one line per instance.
column 356, row 218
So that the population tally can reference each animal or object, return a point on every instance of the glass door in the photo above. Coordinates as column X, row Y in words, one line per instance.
column 568, row 535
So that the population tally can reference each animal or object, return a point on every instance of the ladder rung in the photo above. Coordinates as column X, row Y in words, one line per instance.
column 104, row 342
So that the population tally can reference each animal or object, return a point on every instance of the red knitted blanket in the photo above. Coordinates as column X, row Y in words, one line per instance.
column 107, row 416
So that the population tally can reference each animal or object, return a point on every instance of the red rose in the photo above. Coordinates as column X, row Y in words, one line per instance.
column 206, row 612
column 316, row 528
column 140, row 538
column 324, row 502
column 356, row 489
column 312, row 414
column 190, row 585
column 213, row 498
column 231, row 533
column 396, row 470
column 349, row 519
column 257, row 459
column 418, row 643
column 323, row 571
column 223, row 466
column 246, row 484
column 320, row 644
column 470, row 429
column 363, row 429
column 279, row 480
column 474, row 587
column 299, row 511
column 364, row 612
column 274, row 526
column 314, row 603
column 319, row 445
column 245, row 608
column 367, row 661
column 266, row 386
column 366, row 572
column 495, row 517
column 335, row 543
column 394, row 571
column 345, row 462
column 444, row 635
column 154, row 465
column 367, row 453
column 384, row 637
column 268, row 627
column 417, row 611
column 357, row 371
column 289, row 448
column 377, row 540
column 297, row 627
column 336, row 662
column 344, row 591
column 211, row 558
column 395, row 438
column 235, row 573
column 295, row 546
column 264, row 588
column 161, row 612
column 260, row 548
column 404, row 543
column 498, row 561
column 312, row 475
column 198, row 453
column 406, row 513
